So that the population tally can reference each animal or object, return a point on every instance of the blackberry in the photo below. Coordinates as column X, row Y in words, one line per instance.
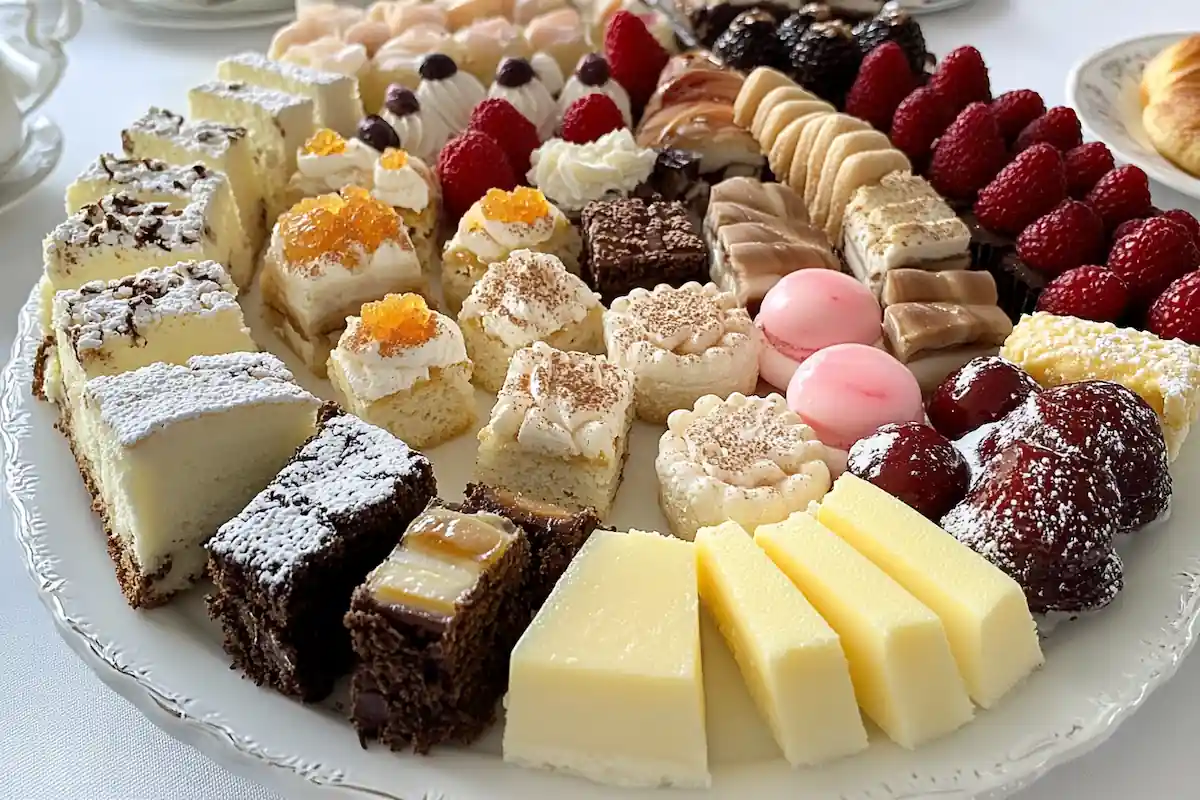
column 894, row 24
column 750, row 42
column 825, row 60
column 792, row 28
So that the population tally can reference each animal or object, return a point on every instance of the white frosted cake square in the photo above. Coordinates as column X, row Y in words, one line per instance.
column 336, row 102
column 180, row 449
column 559, row 429
column 528, row 297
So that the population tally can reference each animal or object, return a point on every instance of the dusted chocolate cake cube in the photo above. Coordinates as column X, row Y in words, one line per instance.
column 631, row 243
column 286, row 566
column 433, row 627
column 555, row 533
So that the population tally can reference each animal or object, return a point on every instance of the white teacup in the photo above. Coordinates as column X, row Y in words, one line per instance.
column 32, row 62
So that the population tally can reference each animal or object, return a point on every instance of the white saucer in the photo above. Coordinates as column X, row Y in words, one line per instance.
column 1103, row 90
column 919, row 7
column 38, row 157
column 217, row 16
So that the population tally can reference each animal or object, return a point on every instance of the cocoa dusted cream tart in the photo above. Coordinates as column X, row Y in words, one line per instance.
column 682, row 343
column 403, row 367
column 559, row 429
column 328, row 256
column 746, row 459
column 496, row 225
column 528, row 297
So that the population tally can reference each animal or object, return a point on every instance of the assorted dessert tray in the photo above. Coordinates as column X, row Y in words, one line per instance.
column 479, row 376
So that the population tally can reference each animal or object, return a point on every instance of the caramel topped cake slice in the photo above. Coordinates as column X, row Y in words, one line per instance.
column 285, row 567
column 336, row 102
column 433, row 626
column 962, row 287
column 149, row 180
column 934, row 339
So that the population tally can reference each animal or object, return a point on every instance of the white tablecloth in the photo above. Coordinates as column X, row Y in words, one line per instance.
column 65, row 736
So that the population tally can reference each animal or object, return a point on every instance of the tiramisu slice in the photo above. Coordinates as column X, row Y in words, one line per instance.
column 328, row 256
column 528, row 297
column 180, row 449
column 559, row 429
column 162, row 135
column 336, row 103
column 278, row 123
column 757, row 233
column 681, row 344
column 433, row 626
column 494, row 227
column 284, row 568
column 403, row 367
column 902, row 222
column 149, row 180
column 746, row 459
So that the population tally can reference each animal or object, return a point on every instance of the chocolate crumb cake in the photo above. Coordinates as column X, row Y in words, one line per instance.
column 284, row 568
column 433, row 627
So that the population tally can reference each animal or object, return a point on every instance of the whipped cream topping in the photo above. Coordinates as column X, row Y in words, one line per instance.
column 534, row 101
column 492, row 240
column 548, row 72
column 528, row 297
column 319, row 174
column 421, row 134
column 573, row 175
column 373, row 375
column 451, row 100
column 564, row 404
column 576, row 88
column 405, row 187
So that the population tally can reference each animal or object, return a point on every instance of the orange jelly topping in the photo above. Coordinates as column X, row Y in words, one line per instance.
column 324, row 143
column 337, row 226
column 397, row 322
column 393, row 158
column 523, row 204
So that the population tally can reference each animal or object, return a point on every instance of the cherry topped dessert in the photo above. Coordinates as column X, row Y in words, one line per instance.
column 983, row 390
column 913, row 463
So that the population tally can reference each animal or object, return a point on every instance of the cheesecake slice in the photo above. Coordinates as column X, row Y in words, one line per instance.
column 150, row 180
column 791, row 659
column 595, row 691
column 180, row 449
column 278, row 124
column 162, row 135
column 336, row 102
column 991, row 632
column 904, row 674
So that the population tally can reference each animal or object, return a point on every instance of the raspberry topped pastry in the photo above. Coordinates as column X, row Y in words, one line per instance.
column 529, row 297
column 681, row 344
column 746, row 459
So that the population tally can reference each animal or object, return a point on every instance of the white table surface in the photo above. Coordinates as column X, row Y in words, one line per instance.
column 65, row 736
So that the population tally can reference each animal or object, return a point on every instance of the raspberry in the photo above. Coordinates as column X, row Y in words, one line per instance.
column 1067, row 237
column 1086, row 165
column 1190, row 223
column 635, row 58
column 1125, row 228
column 1123, row 193
column 1014, row 110
column 883, row 81
column 1155, row 254
column 469, row 165
column 918, row 121
column 962, row 79
column 1093, row 293
column 1058, row 127
column 511, row 129
column 1176, row 312
column 590, row 117
column 1032, row 185
column 969, row 153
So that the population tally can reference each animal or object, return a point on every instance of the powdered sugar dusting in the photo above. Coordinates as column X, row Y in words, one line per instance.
column 271, row 101
column 149, row 175
column 212, row 138
column 866, row 457
column 119, row 220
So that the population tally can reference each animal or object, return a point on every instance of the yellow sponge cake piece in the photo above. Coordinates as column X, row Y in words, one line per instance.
column 900, row 661
column 991, row 631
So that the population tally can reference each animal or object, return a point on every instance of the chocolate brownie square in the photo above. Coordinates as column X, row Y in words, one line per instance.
column 630, row 242
column 286, row 566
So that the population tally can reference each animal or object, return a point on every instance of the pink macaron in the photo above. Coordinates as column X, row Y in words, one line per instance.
column 809, row 310
column 845, row 392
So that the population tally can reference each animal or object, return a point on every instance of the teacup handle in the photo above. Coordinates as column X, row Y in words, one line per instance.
column 35, row 60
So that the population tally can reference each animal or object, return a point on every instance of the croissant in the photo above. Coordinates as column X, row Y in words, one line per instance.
column 1170, row 92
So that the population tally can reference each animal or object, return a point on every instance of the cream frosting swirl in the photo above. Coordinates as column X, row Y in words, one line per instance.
column 573, row 175
column 373, row 375
column 534, row 102
column 317, row 174
column 405, row 187
column 548, row 72
column 451, row 100
column 421, row 134
column 492, row 240
column 575, row 89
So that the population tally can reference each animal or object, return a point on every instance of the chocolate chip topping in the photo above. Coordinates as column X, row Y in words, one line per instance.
column 514, row 73
column 375, row 131
column 401, row 101
column 438, row 67
column 592, row 70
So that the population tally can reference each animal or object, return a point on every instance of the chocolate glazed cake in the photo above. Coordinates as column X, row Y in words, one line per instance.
column 433, row 627
column 286, row 566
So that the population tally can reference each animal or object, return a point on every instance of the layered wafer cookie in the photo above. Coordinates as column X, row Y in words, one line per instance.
column 776, row 97
column 963, row 287
column 831, row 127
column 783, row 115
column 841, row 150
column 798, row 176
column 784, row 150
column 756, row 87
column 860, row 169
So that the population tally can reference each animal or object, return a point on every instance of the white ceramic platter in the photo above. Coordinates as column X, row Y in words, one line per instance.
column 199, row 15
column 1103, row 90
column 169, row 661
